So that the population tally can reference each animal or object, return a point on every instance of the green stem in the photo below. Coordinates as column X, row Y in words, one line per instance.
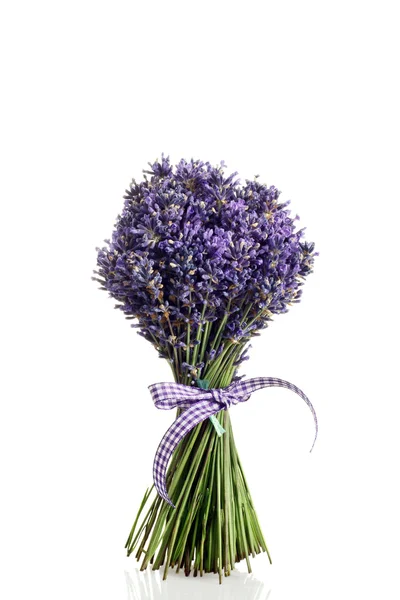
column 219, row 529
column 227, row 499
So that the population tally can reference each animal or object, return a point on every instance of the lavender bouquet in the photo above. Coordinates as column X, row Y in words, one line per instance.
column 201, row 264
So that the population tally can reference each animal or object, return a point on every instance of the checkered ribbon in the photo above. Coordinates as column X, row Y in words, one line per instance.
column 201, row 404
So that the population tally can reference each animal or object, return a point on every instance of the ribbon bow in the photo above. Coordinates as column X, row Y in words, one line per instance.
column 201, row 404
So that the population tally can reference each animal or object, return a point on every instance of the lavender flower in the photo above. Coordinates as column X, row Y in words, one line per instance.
column 194, row 250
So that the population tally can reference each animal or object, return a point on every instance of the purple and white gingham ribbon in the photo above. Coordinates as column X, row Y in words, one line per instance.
column 201, row 404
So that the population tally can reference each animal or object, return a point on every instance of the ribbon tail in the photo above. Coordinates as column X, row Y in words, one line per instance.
column 257, row 383
column 179, row 428
column 299, row 392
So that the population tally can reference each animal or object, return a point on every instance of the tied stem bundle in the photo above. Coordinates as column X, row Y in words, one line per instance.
column 202, row 264
column 214, row 524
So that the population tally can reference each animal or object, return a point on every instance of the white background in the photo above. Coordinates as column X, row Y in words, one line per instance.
column 305, row 94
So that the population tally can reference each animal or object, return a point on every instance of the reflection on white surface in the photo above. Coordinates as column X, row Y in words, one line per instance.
column 148, row 585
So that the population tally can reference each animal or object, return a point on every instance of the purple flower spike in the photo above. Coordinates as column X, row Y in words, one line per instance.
column 193, row 245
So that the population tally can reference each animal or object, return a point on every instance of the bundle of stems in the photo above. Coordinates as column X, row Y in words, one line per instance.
column 214, row 524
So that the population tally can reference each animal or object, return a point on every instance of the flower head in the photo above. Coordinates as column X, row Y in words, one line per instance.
column 194, row 246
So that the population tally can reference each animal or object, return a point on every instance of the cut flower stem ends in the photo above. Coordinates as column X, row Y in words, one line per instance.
column 214, row 524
